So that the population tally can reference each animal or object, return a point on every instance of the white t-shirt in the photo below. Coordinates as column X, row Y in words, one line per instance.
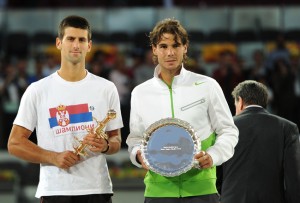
column 60, row 111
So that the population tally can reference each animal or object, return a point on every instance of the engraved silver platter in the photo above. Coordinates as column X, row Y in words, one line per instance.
column 169, row 147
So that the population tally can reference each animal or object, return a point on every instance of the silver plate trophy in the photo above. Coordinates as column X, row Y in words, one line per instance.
column 169, row 147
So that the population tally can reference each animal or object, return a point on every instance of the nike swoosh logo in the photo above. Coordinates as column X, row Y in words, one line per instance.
column 199, row 83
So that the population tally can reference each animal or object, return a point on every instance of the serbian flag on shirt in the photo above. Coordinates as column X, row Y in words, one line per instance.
column 65, row 115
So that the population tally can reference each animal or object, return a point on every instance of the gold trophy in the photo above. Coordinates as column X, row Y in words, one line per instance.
column 98, row 131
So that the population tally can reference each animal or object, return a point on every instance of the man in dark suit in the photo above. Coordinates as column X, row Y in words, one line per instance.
column 265, row 167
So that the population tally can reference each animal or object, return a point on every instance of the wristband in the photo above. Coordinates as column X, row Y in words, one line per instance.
column 106, row 148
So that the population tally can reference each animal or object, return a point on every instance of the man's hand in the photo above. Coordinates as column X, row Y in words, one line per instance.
column 140, row 159
column 65, row 160
column 95, row 144
column 204, row 159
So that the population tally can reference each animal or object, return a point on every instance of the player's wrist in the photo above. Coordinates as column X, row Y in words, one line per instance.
column 107, row 148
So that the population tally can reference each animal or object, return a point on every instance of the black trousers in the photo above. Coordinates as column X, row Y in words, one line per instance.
column 94, row 198
column 213, row 198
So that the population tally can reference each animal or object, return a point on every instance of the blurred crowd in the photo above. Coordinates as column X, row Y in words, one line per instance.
column 279, row 69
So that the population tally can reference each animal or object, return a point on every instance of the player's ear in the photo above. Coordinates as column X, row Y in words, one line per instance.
column 58, row 43
column 90, row 45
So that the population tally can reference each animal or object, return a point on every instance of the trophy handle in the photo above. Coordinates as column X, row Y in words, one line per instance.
column 111, row 114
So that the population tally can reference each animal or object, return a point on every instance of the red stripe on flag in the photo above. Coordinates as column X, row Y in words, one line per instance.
column 72, row 109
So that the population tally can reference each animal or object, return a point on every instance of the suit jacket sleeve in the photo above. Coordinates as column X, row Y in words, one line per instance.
column 292, row 164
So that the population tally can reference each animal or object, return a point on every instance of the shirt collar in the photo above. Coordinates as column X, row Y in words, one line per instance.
column 178, row 79
column 253, row 105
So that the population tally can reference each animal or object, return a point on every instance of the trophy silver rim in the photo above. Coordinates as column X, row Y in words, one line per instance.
column 169, row 122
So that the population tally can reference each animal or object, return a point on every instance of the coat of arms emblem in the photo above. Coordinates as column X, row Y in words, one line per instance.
column 62, row 116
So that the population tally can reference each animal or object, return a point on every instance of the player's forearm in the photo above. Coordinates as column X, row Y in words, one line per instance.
column 29, row 151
